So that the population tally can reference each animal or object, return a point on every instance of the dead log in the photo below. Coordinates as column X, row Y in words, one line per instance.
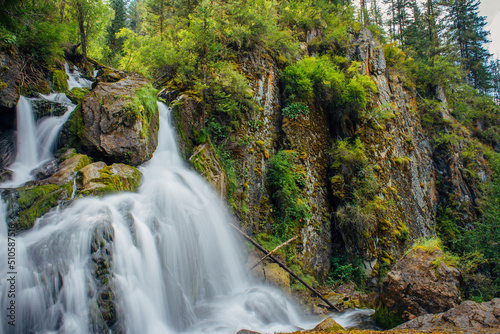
column 279, row 263
column 274, row 250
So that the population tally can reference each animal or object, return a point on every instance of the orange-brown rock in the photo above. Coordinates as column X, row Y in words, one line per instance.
column 420, row 283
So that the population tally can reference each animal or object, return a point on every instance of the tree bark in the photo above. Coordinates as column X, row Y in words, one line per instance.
column 81, row 25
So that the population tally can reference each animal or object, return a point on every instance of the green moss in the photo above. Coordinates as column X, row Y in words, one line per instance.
column 34, row 202
column 115, row 183
column 387, row 318
column 59, row 81
column 76, row 94
column 143, row 106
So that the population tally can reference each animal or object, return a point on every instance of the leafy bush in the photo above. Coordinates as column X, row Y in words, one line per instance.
column 321, row 79
column 291, row 210
column 294, row 109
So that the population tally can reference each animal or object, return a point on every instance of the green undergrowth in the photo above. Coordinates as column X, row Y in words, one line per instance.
column 143, row 106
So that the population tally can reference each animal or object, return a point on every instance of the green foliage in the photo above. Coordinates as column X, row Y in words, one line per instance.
column 59, row 81
column 344, row 271
column 291, row 210
column 321, row 79
column 294, row 109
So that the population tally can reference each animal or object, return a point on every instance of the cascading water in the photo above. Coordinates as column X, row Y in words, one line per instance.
column 173, row 265
column 36, row 142
column 158, row 261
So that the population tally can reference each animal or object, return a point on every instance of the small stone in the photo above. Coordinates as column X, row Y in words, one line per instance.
column 328, row 325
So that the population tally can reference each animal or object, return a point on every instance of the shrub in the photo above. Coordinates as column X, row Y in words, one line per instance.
column 294, row 109
column 291, row 210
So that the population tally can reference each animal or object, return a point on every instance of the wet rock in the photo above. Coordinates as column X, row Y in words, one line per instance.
column 421, row 283
column 328, row 325
column 76, row 94
column 46, row 170
column 26, row 204
column 115, row 122
column 8, row 144
column 70, row 164
column 10, row 77
column 103, row 310
column 468, row 316
column 43, row 108
column 99, row 179
column 205, row 162
column 246, row 331
column 5, row 175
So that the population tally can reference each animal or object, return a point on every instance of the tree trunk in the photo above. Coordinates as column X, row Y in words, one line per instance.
column 61, row 9
column 81, row 25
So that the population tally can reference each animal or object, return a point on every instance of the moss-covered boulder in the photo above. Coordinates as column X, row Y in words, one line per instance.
column 26, row 204
column 59, row 81
column 107, row 74
column 115, row 122
column 100, row 179
column 69, row 164
column 43, row 107
column 328, row 325
column 76, row 94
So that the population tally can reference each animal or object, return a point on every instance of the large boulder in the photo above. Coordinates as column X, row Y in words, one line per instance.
column 469, row 316
column 421, row 283
column 115, row 122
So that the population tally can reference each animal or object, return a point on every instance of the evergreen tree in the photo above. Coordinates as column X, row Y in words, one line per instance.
column 467, row 35
column 118, row 22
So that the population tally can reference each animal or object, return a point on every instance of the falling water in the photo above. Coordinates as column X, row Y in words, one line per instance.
column 173, row 264
column 36, row 142
column 158, row 261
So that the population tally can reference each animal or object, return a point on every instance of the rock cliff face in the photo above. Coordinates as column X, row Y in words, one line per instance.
column 401, row 154
column 414, row 178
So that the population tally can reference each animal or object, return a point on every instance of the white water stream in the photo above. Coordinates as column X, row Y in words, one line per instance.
column 172, row 263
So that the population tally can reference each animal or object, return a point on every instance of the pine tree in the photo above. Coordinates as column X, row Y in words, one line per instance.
column 118, row 22
column 467, row 35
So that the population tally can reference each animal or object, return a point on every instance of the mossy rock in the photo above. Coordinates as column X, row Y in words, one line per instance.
column 108, row 75
column 328, row 325
column 59, row 81
column 26, row 204
column 99, row 179
column 115, row 122
column 76, row 94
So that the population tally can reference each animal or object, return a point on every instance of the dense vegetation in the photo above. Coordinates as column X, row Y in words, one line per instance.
column 193, row 46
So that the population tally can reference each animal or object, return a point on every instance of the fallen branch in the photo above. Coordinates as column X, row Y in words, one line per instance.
column 274, row 250
column 278, row 262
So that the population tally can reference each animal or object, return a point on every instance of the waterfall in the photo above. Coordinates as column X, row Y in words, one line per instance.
column 172, row 264
column 36, row 142
column 162, row 260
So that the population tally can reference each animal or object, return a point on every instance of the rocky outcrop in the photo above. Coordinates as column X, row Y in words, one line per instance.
column 421, row 283
column 10, row 78
column 204, row 160
column 75, row 176
column 115, row 122
column 468, row 317
column 401, row 155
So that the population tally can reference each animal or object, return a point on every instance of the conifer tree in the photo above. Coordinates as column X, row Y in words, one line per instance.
column 118, row 22
column 467, row 36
